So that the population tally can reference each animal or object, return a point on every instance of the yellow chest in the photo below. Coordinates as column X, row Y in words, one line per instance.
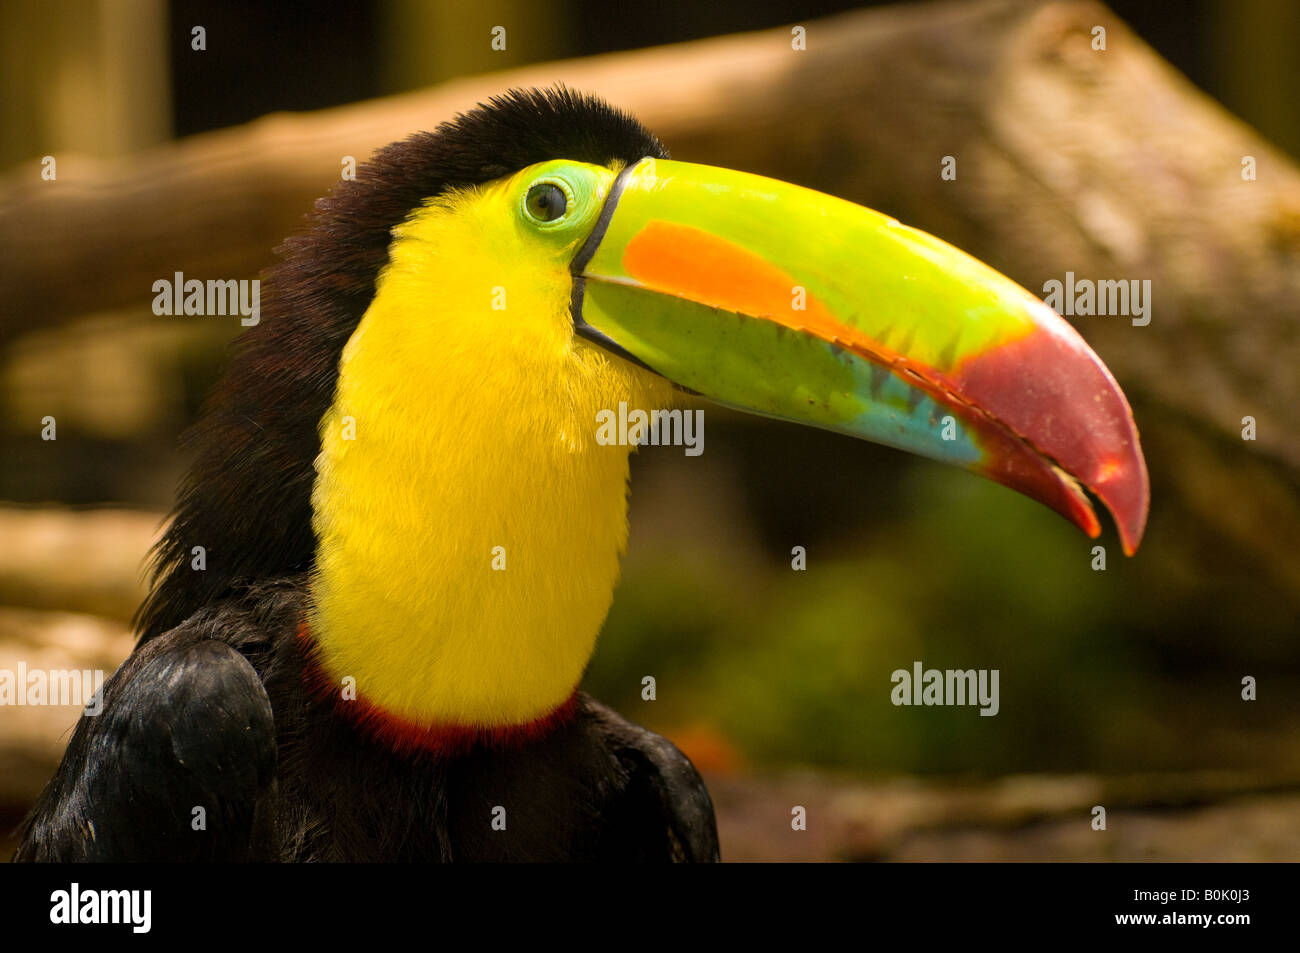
column 469, row 524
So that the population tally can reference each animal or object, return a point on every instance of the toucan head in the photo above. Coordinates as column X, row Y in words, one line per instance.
column 782, row 301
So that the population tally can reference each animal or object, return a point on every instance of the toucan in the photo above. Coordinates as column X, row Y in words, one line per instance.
column 400, row 535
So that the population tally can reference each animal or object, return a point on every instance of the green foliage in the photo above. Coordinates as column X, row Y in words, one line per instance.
column 794, row 667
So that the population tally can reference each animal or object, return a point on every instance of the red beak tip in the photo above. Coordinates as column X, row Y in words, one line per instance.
column 1128, row 501
column 1130, row 534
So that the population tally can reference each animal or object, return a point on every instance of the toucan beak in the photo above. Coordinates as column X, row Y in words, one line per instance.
column 786, row 302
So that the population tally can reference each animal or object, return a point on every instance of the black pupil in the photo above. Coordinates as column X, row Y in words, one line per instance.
column 546, row 202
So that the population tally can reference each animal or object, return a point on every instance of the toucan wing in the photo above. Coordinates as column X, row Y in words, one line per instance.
column 667, row 811
column 179, row 765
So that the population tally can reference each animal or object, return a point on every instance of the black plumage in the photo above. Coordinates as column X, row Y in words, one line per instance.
column 215, row 714
column 213, row 709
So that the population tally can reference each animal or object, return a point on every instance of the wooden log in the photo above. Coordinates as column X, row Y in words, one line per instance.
column 1185, row 816
column 81, row 561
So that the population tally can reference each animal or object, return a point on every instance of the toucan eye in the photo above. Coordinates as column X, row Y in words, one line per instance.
column 546, row 202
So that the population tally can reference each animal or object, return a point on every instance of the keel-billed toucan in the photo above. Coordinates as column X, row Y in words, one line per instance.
column 411, row 532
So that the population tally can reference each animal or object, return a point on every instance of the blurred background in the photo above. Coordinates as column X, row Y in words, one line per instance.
column 1120, row 687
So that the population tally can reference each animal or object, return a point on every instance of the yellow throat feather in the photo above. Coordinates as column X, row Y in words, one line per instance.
column 469, row 525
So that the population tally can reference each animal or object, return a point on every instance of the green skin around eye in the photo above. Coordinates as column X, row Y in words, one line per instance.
column 584, row 188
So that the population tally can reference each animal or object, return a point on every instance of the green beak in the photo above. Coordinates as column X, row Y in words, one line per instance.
column 786, row 302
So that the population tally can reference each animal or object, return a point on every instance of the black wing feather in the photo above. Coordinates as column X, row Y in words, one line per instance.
column 185, row 724
column 667, row 811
